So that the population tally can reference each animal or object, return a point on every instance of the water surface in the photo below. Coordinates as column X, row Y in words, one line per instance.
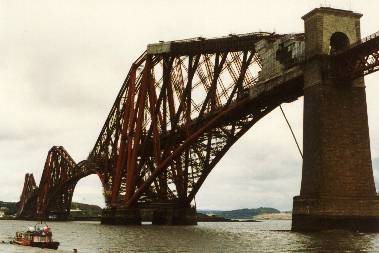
column 267, row 236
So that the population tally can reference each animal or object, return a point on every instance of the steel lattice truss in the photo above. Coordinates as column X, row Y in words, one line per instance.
column 59, row 168
column 28, row 191
column 175, row 117
column 56, row 187
column 178, row 112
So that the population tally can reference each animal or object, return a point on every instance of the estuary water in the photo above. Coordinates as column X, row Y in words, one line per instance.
column 266, row 236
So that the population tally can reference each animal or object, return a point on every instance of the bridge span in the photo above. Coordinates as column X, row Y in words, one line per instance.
column 184, row 103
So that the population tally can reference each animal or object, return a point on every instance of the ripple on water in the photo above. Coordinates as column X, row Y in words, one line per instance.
column 267, row 236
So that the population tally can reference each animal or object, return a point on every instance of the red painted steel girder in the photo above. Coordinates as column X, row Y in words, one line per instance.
column 177, row 114
column 54, row 194
column 29, row 190
column 58, row 181
column 58, row 167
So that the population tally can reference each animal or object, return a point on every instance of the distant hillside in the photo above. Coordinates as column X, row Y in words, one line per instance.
column 85, row 210
column 9, row 207
column 241, row 213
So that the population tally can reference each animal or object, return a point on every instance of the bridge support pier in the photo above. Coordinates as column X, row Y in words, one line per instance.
column 335, row 213
column 121, row 216
column 175, row 216
column 337, row 187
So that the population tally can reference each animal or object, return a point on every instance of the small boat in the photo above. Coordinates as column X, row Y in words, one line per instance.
column 38, row 236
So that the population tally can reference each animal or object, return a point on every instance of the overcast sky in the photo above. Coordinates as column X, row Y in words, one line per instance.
column 63, row 62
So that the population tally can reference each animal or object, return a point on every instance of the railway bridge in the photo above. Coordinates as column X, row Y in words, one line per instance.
column 184, row 103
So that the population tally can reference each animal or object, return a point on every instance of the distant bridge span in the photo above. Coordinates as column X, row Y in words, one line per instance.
column 181, row 107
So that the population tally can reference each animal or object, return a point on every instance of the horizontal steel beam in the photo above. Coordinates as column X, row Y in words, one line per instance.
column 199, row 45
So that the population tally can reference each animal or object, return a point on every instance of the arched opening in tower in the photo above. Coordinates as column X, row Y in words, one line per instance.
column 338, row 42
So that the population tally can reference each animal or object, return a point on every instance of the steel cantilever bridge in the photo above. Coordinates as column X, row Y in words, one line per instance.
column 181, row 107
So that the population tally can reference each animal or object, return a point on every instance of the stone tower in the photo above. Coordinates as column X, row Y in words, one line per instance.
column 337, row 188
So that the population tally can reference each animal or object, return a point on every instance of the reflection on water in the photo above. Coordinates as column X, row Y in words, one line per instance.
column 267, row 236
